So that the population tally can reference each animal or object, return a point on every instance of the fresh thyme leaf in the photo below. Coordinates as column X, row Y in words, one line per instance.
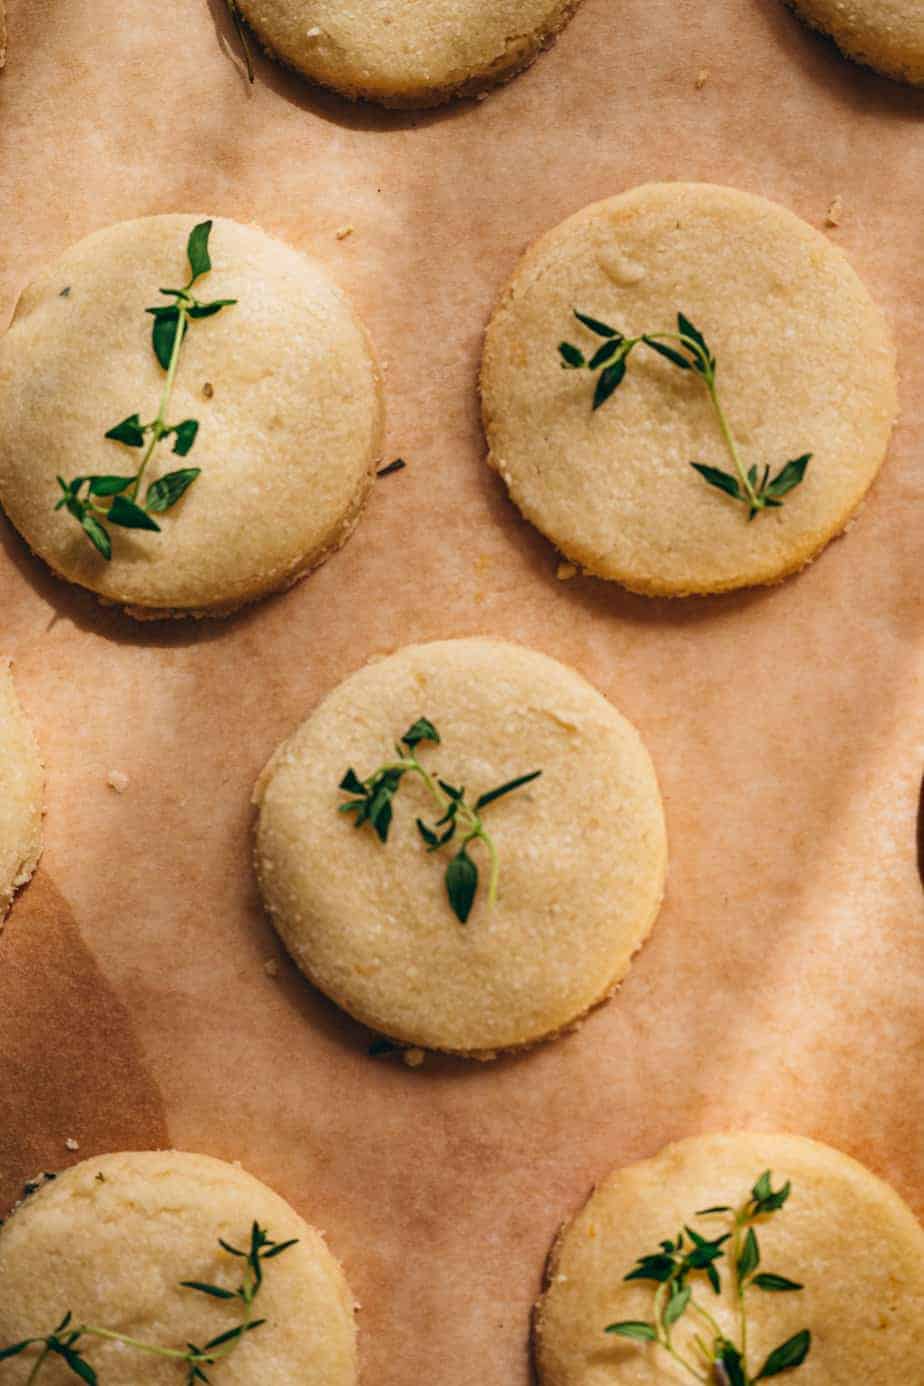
column 278, row 1248
column 97, row 535
column 167, row 490
column 15, row 1348
column 607, row 381
column 657, row 1268
column 789, row 476
column 429, row 836
column 462, row 884
column 787, row 1356
column 731, row 1363
column 78, row 1365
column 241, row 37
column 185, row 436
column 397, row 466
column 775, row 1283
column 197, row 250
column 723, row 480
column 719, row 1208
column 677, row 1304
column 686, row 329
column 208, row 310
column 571, row 356
column 129, row 432
column 108, row 485
column 422, row 730
column 163, row 333
column 601, row 329
column 668, row 353
column 126, row 513
column 633, row 1328
column 603, row 354
column 749, row 1259
column 352, row 782
column 215, row 1290
column 484, row 799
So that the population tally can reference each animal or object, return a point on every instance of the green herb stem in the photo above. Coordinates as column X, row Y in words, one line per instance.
column 159, row 426
column 37, row 1365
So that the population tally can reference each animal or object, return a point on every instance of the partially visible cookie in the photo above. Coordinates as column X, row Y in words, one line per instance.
column 841, row 1233
column 804, row 365
column 410, row 55
column 887, row 35
column 112, row 1238
column 282, row 384
column 582, row 849
column 21, row 794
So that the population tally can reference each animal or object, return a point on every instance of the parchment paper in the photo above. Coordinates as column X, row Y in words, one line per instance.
column 782, row 987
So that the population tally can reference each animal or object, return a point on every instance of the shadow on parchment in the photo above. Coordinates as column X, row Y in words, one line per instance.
column 853, row 86
column 69, row 1044
column 317, row 100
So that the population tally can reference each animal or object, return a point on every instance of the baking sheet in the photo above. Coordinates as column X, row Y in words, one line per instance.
column 783, row 986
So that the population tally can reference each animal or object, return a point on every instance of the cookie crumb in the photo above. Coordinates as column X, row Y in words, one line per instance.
column 344, row 231
column 71, row 1144
column 702, row 77
column 413, row 1057
column 565, row 571
column 117, row 780
column 835, row 212
column 271, row 967
column 100, row 1177
column 208, row 390
column 314, row 32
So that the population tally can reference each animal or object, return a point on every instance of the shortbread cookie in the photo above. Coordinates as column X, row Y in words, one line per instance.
column 581, row 849
column 410, row 55
column 841, row 1233
column 885, row 34
column 805, row 365
column 111, row 1239
column 21, row 794
column 282, row 383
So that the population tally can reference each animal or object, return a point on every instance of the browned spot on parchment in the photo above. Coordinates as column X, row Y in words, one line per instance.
column 70, row 1067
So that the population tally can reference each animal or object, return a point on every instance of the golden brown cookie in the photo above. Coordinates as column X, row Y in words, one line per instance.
column 885, row 34
column 804, row 364
column 111, row 1239
column 22, row 784
column 842, row 1234
column 410, row 55
column 282, row 384
column 581, row 849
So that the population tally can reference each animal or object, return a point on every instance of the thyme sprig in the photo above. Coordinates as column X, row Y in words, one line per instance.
column 673, row 1268
column 372, row 803
column 754, row 491
column 65, row 1341
column 95, row 501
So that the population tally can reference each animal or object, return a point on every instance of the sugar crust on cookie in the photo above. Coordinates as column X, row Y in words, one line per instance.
column 22, row 784
column 405, row 55
column 887, row 35
column 284, row 386
column 111, row 1238
column 582, row 849
column 844, row 1234
column 805, row 364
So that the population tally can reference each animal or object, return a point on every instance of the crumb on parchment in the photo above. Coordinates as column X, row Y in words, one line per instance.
column 566, row 571
column 71, row 1144
column 702, row 77
column 413, row 1057
column 271, row 967
column 118, row 780
column 344, row 231
column 835, row 212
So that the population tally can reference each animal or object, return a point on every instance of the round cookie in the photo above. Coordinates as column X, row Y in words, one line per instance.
column 407, row 55
column 22, row 785
column 112, row 1238
column 283, row 385
column 805, row 365
column 582, row 849
column 843, row 1234
column 887, row 35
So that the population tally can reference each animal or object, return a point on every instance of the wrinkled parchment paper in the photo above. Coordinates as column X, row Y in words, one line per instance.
column 783, row 986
